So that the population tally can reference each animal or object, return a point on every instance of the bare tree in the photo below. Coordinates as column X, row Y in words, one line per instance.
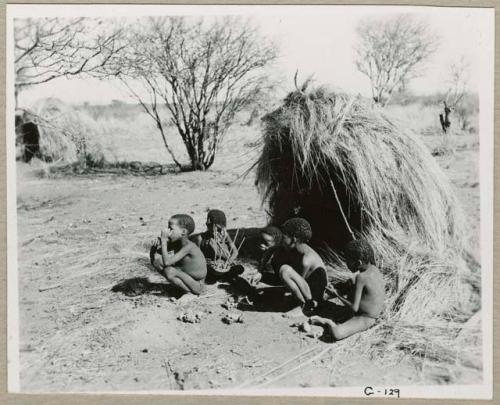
column 48, row 48
column 458, row 78
column 391, row 52
column 203, row 72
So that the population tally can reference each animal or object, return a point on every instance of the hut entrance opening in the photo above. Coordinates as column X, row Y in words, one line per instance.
column 322, row 199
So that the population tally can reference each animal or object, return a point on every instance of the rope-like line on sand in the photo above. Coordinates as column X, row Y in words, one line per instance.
column 279, row 377
column 276, row 368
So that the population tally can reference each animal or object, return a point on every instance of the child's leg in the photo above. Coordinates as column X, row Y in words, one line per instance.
column 155, row 249
column 152, row 253
column 183, row 280
column 295, row 283
column 271, row 278
column 157, row 263
column 317, row 282
column 346, row 329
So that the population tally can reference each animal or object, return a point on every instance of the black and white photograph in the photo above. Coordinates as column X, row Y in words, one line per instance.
column 250, row 200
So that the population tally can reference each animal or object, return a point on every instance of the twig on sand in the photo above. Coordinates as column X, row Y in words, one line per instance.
column 102, row 287
column 211, row 295
column 168, row 369
column 26, row 243
column 131, row 298
column 49, row 287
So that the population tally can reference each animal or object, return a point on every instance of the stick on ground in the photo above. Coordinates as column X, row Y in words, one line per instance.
column 49, row 287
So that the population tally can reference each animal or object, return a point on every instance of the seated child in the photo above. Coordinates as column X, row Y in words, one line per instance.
column 186, row 266
column 271, row 237
column 217, row 245
column 367, row 296
column 301, row 269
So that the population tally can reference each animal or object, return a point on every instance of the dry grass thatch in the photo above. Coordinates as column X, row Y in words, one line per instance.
column 342, row 164
column 66, row 135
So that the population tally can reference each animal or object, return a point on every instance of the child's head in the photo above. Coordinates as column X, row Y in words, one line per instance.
column 296, row 230
column 358, row 253
column 216, row 219
column 270, row 236
column 180, row 225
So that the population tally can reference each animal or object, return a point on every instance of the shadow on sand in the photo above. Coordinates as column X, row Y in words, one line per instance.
column 141, row 286
column 277, row 299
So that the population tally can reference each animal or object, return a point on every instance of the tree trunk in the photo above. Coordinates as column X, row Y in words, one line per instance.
column 201, row 160
column 196, row 164
column 444, row 119
column 201, row 154
column 196, row 158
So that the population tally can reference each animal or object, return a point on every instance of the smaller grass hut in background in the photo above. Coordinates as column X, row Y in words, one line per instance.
column 66, row 135
column 339, row 162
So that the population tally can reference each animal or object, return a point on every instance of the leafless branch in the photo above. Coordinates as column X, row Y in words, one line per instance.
column 204, row 73
column 391, row 52
column 48, row 48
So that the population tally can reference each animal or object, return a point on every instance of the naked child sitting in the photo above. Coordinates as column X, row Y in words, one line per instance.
column 181, row 261
column 366, row 299
column 300, row 267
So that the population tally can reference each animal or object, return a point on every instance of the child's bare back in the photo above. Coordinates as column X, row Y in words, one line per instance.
column 366, row 298
column 373, row 293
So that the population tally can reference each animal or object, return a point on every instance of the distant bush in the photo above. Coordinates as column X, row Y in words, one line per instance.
column 124, row 111
column 467, row 113
column 425, row 110
column 407, row 97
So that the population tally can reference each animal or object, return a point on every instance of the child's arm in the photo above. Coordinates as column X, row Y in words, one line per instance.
column 308, row 264
column 357, row 296
column 170, row 260
column 197, row 240
column 167, row 259
column 264, row 260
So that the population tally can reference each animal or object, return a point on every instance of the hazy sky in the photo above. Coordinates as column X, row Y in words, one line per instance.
column 315, row 40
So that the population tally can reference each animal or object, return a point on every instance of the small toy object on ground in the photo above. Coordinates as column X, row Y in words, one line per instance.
column 232, row 318
column 229, row 304
column 190, row 317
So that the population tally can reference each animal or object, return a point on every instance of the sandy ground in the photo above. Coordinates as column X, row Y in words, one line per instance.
column 78, row 237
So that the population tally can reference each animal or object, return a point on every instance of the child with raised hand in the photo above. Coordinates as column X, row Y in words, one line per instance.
column 366, row 299
column 301, row 269
column 181, row 262
column 217, row 246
